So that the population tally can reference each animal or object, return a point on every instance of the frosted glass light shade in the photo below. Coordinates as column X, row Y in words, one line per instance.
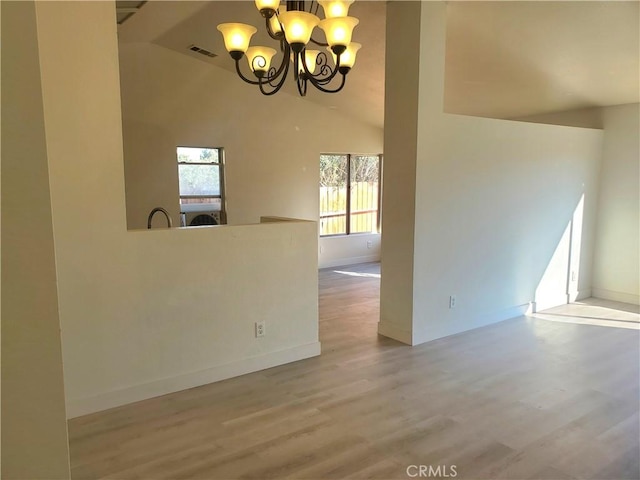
column 335, row 8
column 298, row 26
column 267, row 4
column 348, row 57
column 274, row 24
column 259, row 58
column 236, row 36
column 310, row 57
column 339, row 30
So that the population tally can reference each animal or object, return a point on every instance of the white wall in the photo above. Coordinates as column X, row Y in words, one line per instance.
column 349, row 249
column 492, row 201
column 144, row 313
column 616, row 260
column 272, row 144
column 399, row 173
column 34, row 429
column 583, row 117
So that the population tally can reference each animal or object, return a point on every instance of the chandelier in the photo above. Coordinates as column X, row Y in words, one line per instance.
column 293, row 28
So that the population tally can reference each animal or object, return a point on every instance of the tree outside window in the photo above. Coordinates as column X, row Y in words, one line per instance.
column 349, row 194
column 200, row 176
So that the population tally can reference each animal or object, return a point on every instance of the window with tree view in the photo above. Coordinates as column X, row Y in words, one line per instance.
column 200, row 176
column 349, row 194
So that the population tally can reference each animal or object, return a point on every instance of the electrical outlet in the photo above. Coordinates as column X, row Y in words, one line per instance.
column 369, row 244
column 321, row 249
column 452, row 301
column 260, row 329
column 573, row 276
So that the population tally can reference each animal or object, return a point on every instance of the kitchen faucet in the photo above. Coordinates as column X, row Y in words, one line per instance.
column 156, row 210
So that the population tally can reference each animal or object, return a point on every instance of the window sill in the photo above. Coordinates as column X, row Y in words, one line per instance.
column 347, row 235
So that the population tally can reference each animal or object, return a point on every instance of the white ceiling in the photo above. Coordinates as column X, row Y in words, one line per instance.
column 194, row 23
column 504, row 59
column 512, row 59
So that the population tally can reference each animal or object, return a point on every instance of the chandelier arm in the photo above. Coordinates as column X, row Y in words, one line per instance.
column 277, row 87
column 324, row 75
column 322, row 81
column 252, row 82
column 320, row 44
column 271, row 76
column 302, row 86
column 285, row 62
column 269, row 31
column 326, row 90
column 296, row 66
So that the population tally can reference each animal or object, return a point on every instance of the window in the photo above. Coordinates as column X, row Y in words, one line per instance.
column 356, row 209
column 201, row 176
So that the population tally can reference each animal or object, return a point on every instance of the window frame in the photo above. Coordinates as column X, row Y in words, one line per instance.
column 221, row 165
column 348, row 196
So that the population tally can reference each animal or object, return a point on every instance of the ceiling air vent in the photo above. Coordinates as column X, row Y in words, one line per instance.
column 202, row 51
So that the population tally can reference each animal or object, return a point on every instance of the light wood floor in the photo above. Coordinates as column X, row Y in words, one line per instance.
column 543, row 398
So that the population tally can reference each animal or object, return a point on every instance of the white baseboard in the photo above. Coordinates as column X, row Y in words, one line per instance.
column 339, row 262
column 442, row 330
column 615, row 296
column 393, row 331
column 439, row 331
column 82, row 406
column 505, row 314
column 580, row 295
column 563, row 299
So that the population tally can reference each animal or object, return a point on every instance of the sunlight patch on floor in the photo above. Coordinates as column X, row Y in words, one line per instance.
column 357, row 274
column 595, row 312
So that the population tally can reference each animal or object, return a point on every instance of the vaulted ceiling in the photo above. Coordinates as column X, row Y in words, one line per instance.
column 503, row 60
column 511, row 59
